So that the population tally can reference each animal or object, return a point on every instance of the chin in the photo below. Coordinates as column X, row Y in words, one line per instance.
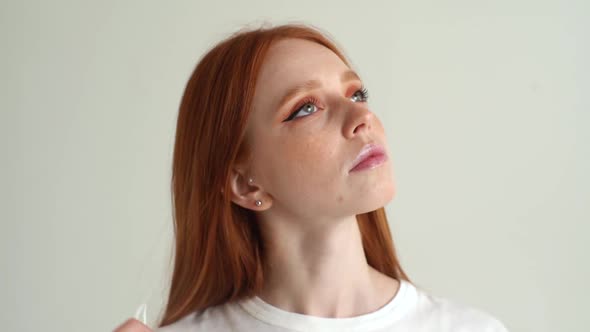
column 377, row 199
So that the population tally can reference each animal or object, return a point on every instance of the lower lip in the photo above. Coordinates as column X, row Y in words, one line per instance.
column 371, row 162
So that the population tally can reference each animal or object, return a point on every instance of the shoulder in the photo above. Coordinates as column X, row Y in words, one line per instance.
column 210, row 319
column 453, row 315
column 184, row 324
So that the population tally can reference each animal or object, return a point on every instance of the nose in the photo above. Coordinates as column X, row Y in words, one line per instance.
column 359, row 120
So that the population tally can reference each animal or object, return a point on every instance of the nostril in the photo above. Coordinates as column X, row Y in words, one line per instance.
column 360, row 126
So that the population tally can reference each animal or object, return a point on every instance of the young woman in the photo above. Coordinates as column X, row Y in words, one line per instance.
column 280, row 175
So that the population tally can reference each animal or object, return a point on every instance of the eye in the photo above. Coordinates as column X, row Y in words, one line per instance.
column 308, row 104
column 364, row 94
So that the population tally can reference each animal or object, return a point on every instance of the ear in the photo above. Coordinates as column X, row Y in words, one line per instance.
column 245, row 194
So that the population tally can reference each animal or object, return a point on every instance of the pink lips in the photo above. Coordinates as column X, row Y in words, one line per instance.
column 370, row 156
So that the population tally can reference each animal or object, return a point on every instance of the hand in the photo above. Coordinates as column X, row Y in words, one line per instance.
column 132, row 325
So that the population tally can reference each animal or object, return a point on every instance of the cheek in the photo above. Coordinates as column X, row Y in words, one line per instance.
column 312, row 156
column 300, row 164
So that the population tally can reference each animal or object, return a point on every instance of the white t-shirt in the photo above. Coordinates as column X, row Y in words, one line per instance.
column 410, row 310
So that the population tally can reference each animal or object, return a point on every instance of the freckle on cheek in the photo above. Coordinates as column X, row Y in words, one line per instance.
column 339, row 198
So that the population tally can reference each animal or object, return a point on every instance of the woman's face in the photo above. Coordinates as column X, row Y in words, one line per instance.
column 300, row 163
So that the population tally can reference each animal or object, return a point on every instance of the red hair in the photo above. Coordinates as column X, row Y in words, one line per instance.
column 218, row 248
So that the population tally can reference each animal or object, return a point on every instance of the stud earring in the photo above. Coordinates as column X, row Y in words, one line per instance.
column 258, row 202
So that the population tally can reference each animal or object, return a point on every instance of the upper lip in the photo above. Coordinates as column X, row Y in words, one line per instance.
column 369, row 150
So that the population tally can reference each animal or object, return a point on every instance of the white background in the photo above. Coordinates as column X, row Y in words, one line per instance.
column 486, row 109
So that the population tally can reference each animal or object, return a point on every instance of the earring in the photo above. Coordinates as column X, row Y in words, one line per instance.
column 258, row 202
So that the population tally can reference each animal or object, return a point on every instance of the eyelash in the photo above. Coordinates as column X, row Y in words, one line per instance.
column 313, row 100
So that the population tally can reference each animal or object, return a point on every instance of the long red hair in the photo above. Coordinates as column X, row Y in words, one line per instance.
column 218, row 249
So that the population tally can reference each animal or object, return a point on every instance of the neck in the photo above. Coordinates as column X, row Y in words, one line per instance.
column 322, row 271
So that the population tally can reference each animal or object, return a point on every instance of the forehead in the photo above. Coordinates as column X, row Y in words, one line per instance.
column 290, row 62
column 288, row 59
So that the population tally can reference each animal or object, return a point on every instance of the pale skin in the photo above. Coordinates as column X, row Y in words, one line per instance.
column 315, row 262
column 300, row 171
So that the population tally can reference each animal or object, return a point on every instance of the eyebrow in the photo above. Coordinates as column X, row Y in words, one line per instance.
column 346, row 76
